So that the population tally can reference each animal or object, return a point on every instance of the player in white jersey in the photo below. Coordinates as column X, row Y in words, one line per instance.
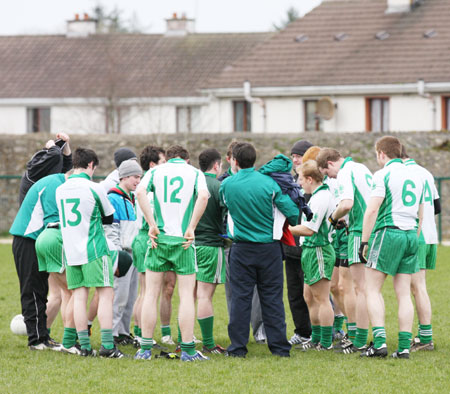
column 390, row 240
column 150, row 157
column 318, row 255
column 83, row 207
column 341, row 280
column 354, row 182
column 180, row 197
column 427, row 255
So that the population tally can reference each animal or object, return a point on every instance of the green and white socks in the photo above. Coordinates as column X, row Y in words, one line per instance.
column 425, row 333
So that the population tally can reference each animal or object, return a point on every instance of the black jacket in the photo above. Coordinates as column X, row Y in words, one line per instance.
column 44, row 162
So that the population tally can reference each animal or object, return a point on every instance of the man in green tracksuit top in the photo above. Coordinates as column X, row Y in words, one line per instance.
column 209, row 246
column 256, row 257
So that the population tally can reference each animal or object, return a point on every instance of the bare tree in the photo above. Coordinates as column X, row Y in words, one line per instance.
column 291, row 15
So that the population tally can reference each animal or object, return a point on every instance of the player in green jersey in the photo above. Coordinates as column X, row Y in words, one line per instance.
column 209, row 245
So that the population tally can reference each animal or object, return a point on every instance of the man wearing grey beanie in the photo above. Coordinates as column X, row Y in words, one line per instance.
column 120, row 155
column 120, row 235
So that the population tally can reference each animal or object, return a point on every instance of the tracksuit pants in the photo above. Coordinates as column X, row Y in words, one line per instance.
column 259, row 333
column 261, row 265
column 33, row 289
column 297, row 304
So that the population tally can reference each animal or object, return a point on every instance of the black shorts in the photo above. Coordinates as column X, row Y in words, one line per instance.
column 341, row 263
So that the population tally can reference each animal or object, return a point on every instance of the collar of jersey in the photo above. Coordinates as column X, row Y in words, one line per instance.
column 321, row 187
column 211, row 175
column 129, row 195
column 80, row 175
column 250, row 169
column 347, row 159
column 409, row 162
column 176, row 160
column 393, row 161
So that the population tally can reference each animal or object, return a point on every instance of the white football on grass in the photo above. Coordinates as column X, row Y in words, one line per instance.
column 18, row 325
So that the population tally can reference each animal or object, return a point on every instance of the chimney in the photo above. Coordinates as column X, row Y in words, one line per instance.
column 397, row 6
column 179, row 27
column 81, row 28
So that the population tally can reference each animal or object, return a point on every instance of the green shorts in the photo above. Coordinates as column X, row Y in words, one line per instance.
column 170, row 255
column 140, row 248
column 354, row 240
column 394, row 251
column 211, row 264
column 340, row 244
column 50, row 251
column 427, row 256
column 97, row 273
column 317, row 263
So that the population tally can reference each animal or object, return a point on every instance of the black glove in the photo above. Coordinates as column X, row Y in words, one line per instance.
column 363, row 250
column 341, row 224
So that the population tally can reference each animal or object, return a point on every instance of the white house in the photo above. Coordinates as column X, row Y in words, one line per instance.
column 89, row 82
column 347, row 66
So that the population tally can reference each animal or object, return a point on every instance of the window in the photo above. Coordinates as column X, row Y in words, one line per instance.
column 38, row 119
column 188, row 119
column 312, row 121
column 377, row 114
column 242, row 114
column 445, row 112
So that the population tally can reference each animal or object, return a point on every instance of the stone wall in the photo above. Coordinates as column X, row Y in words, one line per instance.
column 431, row 150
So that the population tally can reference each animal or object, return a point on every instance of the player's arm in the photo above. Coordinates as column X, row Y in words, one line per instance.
column 108, row 219
column 420, row 214
column 141, row 194
column 370, row 216
column 437, row 206
column 199, row 208
column 301, row 230
column 342, row 209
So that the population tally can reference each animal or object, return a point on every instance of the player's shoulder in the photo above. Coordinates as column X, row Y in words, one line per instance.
column 361, row 167
column 94, row 186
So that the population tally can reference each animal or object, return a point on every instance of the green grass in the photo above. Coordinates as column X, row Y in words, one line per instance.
column 23, row 371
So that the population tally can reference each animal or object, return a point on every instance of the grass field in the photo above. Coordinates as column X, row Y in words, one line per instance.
column 23, row 371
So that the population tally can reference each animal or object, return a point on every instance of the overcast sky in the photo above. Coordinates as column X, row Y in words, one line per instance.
column 50, row 16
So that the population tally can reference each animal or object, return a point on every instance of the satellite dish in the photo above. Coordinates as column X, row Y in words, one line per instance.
column 325, row 108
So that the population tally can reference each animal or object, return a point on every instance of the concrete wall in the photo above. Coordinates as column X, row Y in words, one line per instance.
column 432, row 150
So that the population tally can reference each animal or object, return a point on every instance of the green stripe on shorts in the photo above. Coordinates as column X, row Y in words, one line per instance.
column 340, row 244
column 427, row 256
column 97, row 273
column 139, row 247
column 354, row 241
column 393, row 251
column 317, row 263
column 211, row 264
column 170, row 255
